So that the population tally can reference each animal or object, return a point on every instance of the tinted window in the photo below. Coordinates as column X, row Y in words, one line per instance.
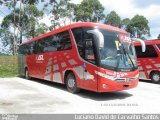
column 42, row 45
column 52, row 43
column 158, row 45
column 150, row 52
column 89, row 48
column 31, row 49
column 23, row 49
column 63, row 41
column 55, row 42
column 84, row 43
column 78, row 35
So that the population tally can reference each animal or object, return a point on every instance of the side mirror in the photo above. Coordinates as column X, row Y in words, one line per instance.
column 142, row 43
column 98, row 35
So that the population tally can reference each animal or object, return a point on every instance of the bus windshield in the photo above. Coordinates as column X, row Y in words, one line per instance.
column 118, row 52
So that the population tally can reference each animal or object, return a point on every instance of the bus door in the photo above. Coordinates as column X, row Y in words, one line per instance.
column 86, row 49
column 91, row 58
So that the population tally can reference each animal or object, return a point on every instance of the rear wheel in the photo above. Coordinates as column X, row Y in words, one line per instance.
column 71, row 83
column 155, row 77
column 27, row 74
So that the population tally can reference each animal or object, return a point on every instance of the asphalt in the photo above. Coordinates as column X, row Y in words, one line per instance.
column 20, row 96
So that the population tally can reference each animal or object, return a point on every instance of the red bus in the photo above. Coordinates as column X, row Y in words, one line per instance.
column 87, row 55
column 149, row 61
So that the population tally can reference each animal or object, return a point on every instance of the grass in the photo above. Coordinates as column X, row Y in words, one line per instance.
column 8, row 66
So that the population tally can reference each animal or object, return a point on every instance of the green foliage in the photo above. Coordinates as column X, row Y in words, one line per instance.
column 31, row 2
column 32, row 11
column 7, row 39
column 8, row 66
column 89, row 10
column 33, row 20
column 158, row 36
column 8, row 21
column 27, row 18
column 41, row 29
column 113, row 19
column 61, row 11
column 26, row 23
column 138, row 26
column 124, row 23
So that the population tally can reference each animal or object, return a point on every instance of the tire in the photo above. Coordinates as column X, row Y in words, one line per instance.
column 27, row 74
column 71, row 83
column 155, row 77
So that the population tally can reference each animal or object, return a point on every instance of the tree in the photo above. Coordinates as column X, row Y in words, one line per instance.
column 7, row 39
column 138, row 26
column 41, row 29
column 33, row 17
column 158, row 36
column 31, row 2
column 124, row 23
column 89, row 10
column 28, row 23
column 24, row 22
column 113, row 19
column 71, row 10
column 62, row 10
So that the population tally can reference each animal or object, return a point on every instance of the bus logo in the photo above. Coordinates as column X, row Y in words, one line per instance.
column 39, row 57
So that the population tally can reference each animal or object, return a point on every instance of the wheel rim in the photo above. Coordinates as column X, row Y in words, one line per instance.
column 156, row 77
column 71, row 82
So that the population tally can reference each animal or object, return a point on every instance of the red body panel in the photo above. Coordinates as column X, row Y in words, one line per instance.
column 53, row 63
column 147, row 65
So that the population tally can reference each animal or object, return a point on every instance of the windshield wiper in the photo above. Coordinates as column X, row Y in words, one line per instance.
column 125, row 53
column 128, row 57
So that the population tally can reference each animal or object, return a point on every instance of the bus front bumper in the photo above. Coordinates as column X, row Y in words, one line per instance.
column 111, row 86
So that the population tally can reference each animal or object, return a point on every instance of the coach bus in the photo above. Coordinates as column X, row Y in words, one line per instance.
column 149, row 61
column 85, row 55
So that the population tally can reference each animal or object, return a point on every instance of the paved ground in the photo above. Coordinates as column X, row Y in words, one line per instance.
column 18, row 95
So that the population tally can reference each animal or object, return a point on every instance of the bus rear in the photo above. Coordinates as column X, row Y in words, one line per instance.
column 87, row 56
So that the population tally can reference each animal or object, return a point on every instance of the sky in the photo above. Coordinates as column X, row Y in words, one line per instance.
column 125, row 9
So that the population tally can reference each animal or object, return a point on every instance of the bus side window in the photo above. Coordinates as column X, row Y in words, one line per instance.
column 158, row 45
column 64, row 42
column 84, row 43
column 89, row 49
column 24, row 49
column 40, row 46
column 149, row 53
column 79, row 35
column 31, row 46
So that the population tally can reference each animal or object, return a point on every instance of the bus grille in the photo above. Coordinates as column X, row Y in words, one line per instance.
column 125, row 79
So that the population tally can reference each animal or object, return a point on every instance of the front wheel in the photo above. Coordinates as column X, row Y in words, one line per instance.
column 155, row 77
column 27, row 74
column 71, row 83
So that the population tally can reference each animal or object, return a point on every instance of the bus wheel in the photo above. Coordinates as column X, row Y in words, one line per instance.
column 155, row 77
column 71, row 83
column 27, row 74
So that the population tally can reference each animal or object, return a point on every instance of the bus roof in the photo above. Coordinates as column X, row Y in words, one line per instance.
column 148, row 42
column 74, row 25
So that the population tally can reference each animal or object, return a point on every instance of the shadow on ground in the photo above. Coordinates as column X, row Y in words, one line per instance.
column 87, row 94
column 147, row 81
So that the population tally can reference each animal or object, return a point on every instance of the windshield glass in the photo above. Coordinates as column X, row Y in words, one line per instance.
column 118, row 52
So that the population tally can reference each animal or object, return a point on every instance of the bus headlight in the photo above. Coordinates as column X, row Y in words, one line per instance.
column 104, row 86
